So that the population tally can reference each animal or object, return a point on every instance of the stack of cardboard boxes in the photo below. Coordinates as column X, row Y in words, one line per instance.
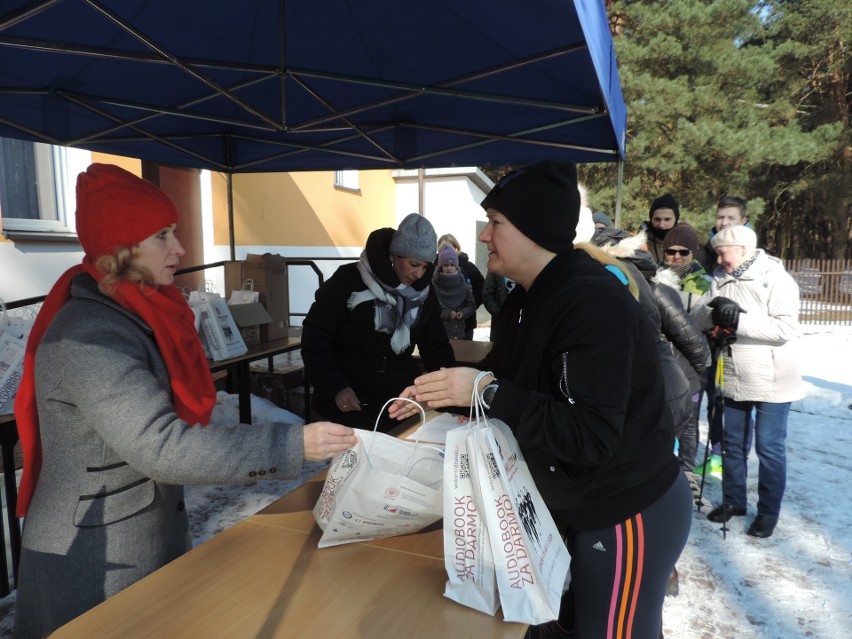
column 269, row 318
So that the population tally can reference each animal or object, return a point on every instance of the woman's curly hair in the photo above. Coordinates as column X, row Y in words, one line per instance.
column 119, row 267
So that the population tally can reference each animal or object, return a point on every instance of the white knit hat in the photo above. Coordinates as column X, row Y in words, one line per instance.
column 735, row 236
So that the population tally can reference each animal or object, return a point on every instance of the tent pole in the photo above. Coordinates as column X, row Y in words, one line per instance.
column 421, row 195
column 231, row 216
column 619, row 181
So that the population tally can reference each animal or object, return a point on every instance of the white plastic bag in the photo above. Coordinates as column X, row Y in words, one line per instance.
column 382, row 487
column 530, row 557
column 219, row 333
column 246, row 295
column 13, row 342
column 468, row 558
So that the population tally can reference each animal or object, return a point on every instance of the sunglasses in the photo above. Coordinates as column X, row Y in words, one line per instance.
column 681, row 252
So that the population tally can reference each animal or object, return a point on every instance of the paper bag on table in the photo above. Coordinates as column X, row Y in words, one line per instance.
column 216, row 326
column 382, row 487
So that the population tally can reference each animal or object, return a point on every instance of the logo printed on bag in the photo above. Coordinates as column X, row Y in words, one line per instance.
column 392, row 492
column 514, row 548
column 529, row 518
column 466, row 531
column 349, row 459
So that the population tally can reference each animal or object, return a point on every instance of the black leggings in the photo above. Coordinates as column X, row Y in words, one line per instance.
column 619, row 574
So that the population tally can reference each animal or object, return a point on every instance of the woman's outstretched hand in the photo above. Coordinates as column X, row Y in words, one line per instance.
column 324, row 440
column 439, row 389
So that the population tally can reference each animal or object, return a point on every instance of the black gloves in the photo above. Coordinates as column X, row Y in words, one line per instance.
column 726, row 313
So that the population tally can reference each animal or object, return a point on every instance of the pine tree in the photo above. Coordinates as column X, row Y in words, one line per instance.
column 712, row 109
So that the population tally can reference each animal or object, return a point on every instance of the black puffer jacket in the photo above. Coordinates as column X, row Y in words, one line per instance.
column 341, row 347
column 580, row 386
column 682, row 347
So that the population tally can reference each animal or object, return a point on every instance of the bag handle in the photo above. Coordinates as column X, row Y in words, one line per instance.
column 477, row 409
column 417, row 443
column 248, row 285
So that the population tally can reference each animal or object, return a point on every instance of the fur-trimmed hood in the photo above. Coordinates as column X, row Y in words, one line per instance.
column 623, row 246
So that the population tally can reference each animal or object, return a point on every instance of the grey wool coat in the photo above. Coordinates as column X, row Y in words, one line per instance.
column 108, row 506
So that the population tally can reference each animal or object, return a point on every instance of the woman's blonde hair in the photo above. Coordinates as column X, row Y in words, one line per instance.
column 608, row 260
column 448, row 239
column 119, row 267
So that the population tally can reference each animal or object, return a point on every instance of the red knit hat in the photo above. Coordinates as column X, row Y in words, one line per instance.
column 117, row 209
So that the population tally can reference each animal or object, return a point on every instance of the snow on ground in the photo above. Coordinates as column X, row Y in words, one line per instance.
column 797, row 583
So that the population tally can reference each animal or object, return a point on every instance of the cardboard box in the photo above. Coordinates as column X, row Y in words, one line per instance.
column 250, row 318
column 270, row 277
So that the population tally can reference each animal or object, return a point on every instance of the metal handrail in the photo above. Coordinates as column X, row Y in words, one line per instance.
column 302, row 261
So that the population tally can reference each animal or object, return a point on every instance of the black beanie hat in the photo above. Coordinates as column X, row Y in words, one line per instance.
column 543, row 201
column 666, row 201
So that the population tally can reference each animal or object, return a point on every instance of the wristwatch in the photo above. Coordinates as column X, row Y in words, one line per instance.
column 488, row 394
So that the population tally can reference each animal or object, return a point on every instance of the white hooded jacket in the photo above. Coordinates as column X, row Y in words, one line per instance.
column 764, row 364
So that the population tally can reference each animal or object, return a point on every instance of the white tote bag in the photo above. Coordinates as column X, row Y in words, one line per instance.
column 246, row 295
column 13, row 342
column 471, row 577
column 216, row 326
column 530, row 557
column 382, row 487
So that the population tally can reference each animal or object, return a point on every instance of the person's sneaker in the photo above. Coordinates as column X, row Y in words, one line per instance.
column 714, row 468
column 672, row 587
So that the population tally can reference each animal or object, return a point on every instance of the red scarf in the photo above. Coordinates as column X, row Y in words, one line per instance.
column 169, row 316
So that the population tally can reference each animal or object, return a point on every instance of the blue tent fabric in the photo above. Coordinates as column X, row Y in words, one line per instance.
column 259, row 85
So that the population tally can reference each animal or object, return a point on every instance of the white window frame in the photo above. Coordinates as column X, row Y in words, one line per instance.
column 348, row 179
column 56, row 171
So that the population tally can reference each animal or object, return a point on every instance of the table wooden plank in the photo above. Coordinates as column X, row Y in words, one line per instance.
column 255, row 580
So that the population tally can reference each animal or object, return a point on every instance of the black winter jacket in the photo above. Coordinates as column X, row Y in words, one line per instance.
column 476, row 280
column 341, row 347
column 580, row 386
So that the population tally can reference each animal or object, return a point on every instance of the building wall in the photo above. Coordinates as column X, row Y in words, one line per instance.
column 297, row 215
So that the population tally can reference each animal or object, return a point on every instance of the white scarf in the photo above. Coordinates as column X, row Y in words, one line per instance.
column 396, row 308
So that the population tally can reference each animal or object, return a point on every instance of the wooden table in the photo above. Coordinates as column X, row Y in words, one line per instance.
column 238, row 371
column 266, row 578
column 466, row 351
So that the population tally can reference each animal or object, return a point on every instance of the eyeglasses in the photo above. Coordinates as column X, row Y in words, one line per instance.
column 681, row 252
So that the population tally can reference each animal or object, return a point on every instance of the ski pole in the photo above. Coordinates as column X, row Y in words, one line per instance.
column 711, row 416
column 720, row 399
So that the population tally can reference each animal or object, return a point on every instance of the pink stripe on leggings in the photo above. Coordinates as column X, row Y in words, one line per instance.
column 613, row 604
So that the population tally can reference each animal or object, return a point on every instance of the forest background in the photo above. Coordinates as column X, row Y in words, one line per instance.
column 736, row 97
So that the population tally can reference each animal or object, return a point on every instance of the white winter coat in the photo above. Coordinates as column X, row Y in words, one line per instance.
column 764, row 364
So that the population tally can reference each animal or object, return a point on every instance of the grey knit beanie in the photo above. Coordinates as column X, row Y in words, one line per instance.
column 415, row 238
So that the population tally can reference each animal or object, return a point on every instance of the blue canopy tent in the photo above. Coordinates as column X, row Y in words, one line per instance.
column 292, row 85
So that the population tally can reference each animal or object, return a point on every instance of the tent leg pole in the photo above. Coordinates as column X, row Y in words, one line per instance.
column 619, row 182
column 231, row 217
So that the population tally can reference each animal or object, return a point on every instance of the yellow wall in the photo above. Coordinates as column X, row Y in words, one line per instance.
column 302, row 209
column 132, row 165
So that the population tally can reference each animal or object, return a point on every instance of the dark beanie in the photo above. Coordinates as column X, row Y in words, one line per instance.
column 682, row 235
column 666, row 201
column 543, row 201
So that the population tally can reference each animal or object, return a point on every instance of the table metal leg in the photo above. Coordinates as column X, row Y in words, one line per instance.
column 8, row 439
column 244, row 391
